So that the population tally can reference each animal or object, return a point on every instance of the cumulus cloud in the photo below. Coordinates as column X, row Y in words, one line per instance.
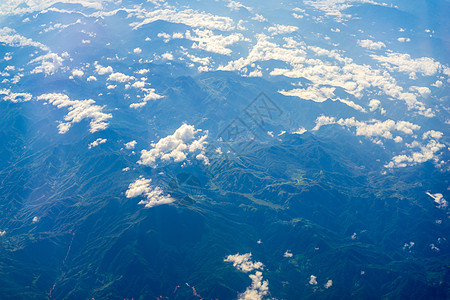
column 257, row 290
column 334, row 8
column 177, row 146
column 313, row 280
column 137, row 50
column 375, row 104
column 288, row 254
column 190, row 17
column 243, row 262
column 235, row 6
column 11, row 38
column 369, row 44
column 320, row 94
column 403, row 62
column 120, row 77
column 281, row 29
column 91, row 78
column 427, row 152
column 373, row 128
column 77, row 73
column 50, row 63
column 150, row 95
column 154, row 196
column 103, row 70
column 439, row 199
column 432, row 134
column 259, row 287
column 328, row 284
column 78, row 111
column 130, row 145
column 97, row 142
column 35, row 219
column 15, row 97
column 404, row 40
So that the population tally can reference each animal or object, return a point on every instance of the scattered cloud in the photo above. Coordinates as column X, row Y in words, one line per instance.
column 369, row 44
column 50, row 63
column 154, row 196
column 328, row 284
column 130, row 145
column 91, row 78
column 137, row 50
column 11, row 38
column 97, row 142
column 243, row 262
column 373, row 128
column 313, row 280
column 257, row 290
column 439, row 199
column 189, row 17
column 288, row 254
column 15, row 97
column 281, row 29
column 78, row 111
column 403, row 62
column 120, row 77
column 77, row 73
column 404, row 40
column 176, row 147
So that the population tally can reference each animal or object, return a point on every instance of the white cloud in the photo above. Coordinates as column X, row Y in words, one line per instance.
column 422, row 91
column 288, row 254
column 2, row 233
column 177, row 146
column 77, row 73
column 50, row 63
column 403, row 62
column 281, row 29
column 369, row 44
column 257, row 290
column 11, row 38
column 439, row 199
column 103, row 70
column 167, row 55
column 20, row 7
column 313, row 280
column 208, row 41
column 334, row 8
column 91, row 78
column 259, row 18
column 188, row 17
column 432, row 134
column 35, row 219
column 154, row 195
column 15, row 97
column 426, row 153
column 130, row 145
column 235, row 6
column 373, row 128
column 375, row 104
column 97, row 142
column 437, row 84
column 404, row 40
column 120, row 77
column 323, row 120
column 243, row 262
column 328, row 284
column 301, row 130
column 150, row 95
column 78, row 111
column 137, row 50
